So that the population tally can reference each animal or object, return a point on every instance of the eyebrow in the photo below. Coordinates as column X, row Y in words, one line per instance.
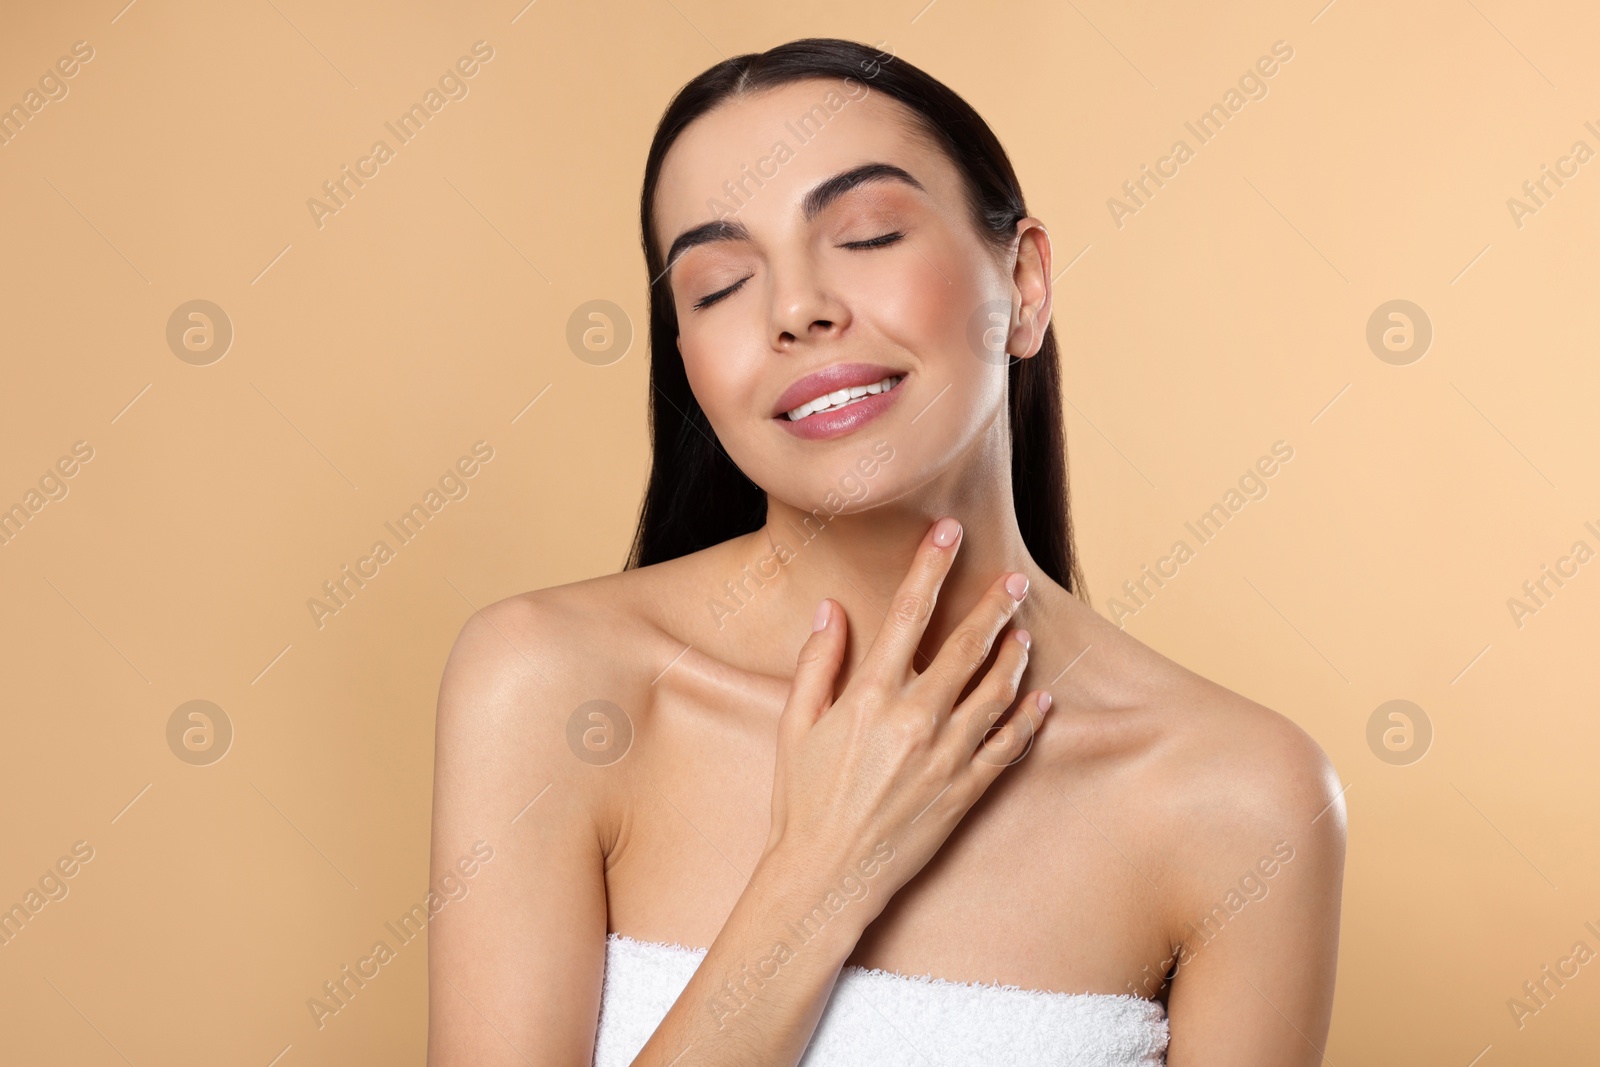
column 818, row 198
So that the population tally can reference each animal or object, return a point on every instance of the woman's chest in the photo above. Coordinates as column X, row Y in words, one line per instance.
column 1027, row 891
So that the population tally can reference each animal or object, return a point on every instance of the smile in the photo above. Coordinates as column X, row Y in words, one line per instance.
column 842, row 411
column 842, row 398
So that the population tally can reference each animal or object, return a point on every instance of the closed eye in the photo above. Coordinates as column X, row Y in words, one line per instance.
column 876, row 242
column 707, row 301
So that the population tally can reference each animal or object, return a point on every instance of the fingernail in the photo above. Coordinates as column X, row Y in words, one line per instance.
column 945, row 532
column 1025, row 637
column 821, row 618
column 1017, row 586
column 1043, row 701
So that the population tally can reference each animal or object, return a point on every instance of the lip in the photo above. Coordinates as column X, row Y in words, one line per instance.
column 828, row 380
column 824, row 425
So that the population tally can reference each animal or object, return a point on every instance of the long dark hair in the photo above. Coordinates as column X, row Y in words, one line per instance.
column 697, row 496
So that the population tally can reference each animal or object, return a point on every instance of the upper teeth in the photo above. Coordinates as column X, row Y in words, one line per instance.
column 841, row 397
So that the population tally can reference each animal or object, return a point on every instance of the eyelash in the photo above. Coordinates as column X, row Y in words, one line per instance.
column 877, row 242
column 873, row 242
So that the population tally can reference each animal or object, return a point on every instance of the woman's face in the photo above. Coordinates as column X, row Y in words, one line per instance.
column 810, row 272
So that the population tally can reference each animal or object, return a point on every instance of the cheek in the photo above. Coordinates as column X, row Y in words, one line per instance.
column 723, row 378
column 926, row 304
column 708, row 380
column 929, row 311
column 929, row 308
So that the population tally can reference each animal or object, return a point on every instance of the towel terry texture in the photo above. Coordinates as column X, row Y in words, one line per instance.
column 883, row 1019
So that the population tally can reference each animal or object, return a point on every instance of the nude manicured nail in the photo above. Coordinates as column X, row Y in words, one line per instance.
column 945, row 531
column 1043, row 701
column 1017, row 586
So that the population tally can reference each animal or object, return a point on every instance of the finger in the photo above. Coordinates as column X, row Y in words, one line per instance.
column 1000, row 748
column 816, row 670
column 978, row 715
column 968, row 645
column 912, row 606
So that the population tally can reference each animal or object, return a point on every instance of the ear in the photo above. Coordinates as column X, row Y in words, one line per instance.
column 1031, row 277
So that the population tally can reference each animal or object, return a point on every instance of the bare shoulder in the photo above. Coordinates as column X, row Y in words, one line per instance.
column 548, row 650
column 530, row 663
column 1246, row 762
column 1244, row 789
column 1206, row 780
column 546, row 638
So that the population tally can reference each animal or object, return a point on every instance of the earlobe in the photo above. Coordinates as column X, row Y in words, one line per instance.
column 1028, row 349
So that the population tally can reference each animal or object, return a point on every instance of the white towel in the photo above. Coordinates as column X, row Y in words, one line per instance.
column 877, row 1018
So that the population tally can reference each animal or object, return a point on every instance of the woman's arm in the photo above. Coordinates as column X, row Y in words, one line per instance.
column 1259, row 922
column 514, row 967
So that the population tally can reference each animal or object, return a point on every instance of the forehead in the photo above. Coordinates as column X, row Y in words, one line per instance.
column 759, row 153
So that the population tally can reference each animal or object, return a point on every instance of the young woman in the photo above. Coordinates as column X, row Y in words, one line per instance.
column 842, row 768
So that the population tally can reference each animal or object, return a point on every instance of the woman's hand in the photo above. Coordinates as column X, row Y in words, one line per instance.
column 875, row 779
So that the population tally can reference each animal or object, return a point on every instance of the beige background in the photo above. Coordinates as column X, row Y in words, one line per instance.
column 371, row 353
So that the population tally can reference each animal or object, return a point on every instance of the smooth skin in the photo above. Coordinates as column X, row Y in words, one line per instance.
column 1148, row 814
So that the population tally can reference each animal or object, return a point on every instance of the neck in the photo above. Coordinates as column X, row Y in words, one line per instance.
column 859, row 560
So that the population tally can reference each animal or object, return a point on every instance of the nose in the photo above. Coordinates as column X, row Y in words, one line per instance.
column 804, row 307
